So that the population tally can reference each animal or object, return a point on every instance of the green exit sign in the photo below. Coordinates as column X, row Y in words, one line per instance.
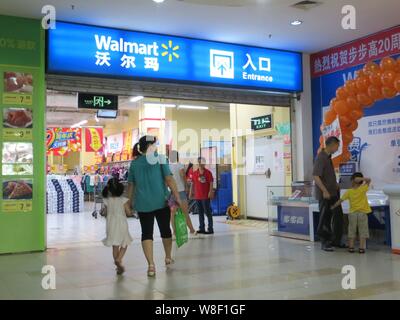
column 97, row 101
column 261, row 123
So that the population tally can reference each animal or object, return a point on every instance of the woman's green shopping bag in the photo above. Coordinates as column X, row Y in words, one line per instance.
column 181, row 231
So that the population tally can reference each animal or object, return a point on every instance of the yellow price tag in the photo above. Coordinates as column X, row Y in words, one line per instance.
column 17, row 134
column 12, row 206
column 17, row 99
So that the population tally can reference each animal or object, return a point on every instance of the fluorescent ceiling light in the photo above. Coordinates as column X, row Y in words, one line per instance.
column 136, row 99
column 183, row 106
column 158, row 1
column 296, row 22
column 160, row 105
column 79, row 124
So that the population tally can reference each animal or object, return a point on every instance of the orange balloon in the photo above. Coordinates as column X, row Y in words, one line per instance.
column 351, row 87
column 388, row 77
column 356, row 114
column 346, row 157
column 330, row 116
column 398, row 65
column 375, row 78
column 337, row 161
column 341, row 93
column 364, row 99
column 360, row 73
column 353, row 126
column 371, row 67
column 353, row 103
column 375, row 92
column 396, row 82
column 345, row 121
column 340, row 107
column 362, row 83
column 388, row 92
column 388, row 64
column 347, row 138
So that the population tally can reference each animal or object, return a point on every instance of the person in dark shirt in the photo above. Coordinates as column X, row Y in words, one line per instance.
column 327, row 193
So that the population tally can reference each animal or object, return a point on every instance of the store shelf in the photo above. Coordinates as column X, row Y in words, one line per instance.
column 111, row 163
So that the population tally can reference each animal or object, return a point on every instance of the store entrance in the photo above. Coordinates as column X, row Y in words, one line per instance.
column 85, row 150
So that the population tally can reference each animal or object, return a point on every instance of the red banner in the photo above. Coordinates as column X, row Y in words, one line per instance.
column 357, row 52
column 60, row 141
column 94, row 139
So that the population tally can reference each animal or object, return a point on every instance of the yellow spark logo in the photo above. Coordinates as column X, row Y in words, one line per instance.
column 170, row 51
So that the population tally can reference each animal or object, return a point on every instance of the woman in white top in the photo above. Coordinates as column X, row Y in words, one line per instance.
column 178, row 172
column 117, row 229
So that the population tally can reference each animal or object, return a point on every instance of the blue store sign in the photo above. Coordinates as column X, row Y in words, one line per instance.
column 89, row 50
column 293, row 220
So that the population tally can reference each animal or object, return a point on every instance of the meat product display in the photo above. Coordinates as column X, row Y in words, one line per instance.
column 18, row 82
column 21, row 191
column 18, row 118
column 14, row 190
column 9, row 187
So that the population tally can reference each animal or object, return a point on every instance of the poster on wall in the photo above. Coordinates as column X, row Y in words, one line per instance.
column 94, row 139
column 17, row 196
column 127, row 147
column 333, row 130
column 135, row 136
column 115, row 143
column 259, row 164
column 60, row 141
column 278, row 161
column 18, row 88
column 378, row 135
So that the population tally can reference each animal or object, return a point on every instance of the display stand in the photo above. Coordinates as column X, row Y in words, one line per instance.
column 294, row 213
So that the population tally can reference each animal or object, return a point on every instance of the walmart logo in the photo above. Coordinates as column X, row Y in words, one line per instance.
column 170, row 51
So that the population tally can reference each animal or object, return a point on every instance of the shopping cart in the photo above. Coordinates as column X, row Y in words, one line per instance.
column 98, row 199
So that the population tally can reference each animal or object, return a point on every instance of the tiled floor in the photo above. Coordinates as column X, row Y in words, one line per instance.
column 236, row 263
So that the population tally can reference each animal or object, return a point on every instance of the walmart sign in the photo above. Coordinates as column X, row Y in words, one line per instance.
column 88, row 50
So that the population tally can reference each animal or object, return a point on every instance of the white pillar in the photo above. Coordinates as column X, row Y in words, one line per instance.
column 302, row 128
column 393, row 191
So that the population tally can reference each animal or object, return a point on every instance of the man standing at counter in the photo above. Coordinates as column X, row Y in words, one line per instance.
column 327, row 192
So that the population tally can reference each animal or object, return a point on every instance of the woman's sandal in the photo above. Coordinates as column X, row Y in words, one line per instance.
column 351, row 250
column 151, row 271
column 169, row 261
column 361, row 250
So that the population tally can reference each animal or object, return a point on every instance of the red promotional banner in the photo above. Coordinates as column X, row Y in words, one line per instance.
column 60, row 141
column 94, row 139
column 357, row 52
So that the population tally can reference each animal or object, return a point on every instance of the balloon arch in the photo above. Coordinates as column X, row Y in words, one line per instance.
column 372, row 83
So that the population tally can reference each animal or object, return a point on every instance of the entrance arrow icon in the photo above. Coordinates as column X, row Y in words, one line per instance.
column 222, row 69
column 108, row 102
